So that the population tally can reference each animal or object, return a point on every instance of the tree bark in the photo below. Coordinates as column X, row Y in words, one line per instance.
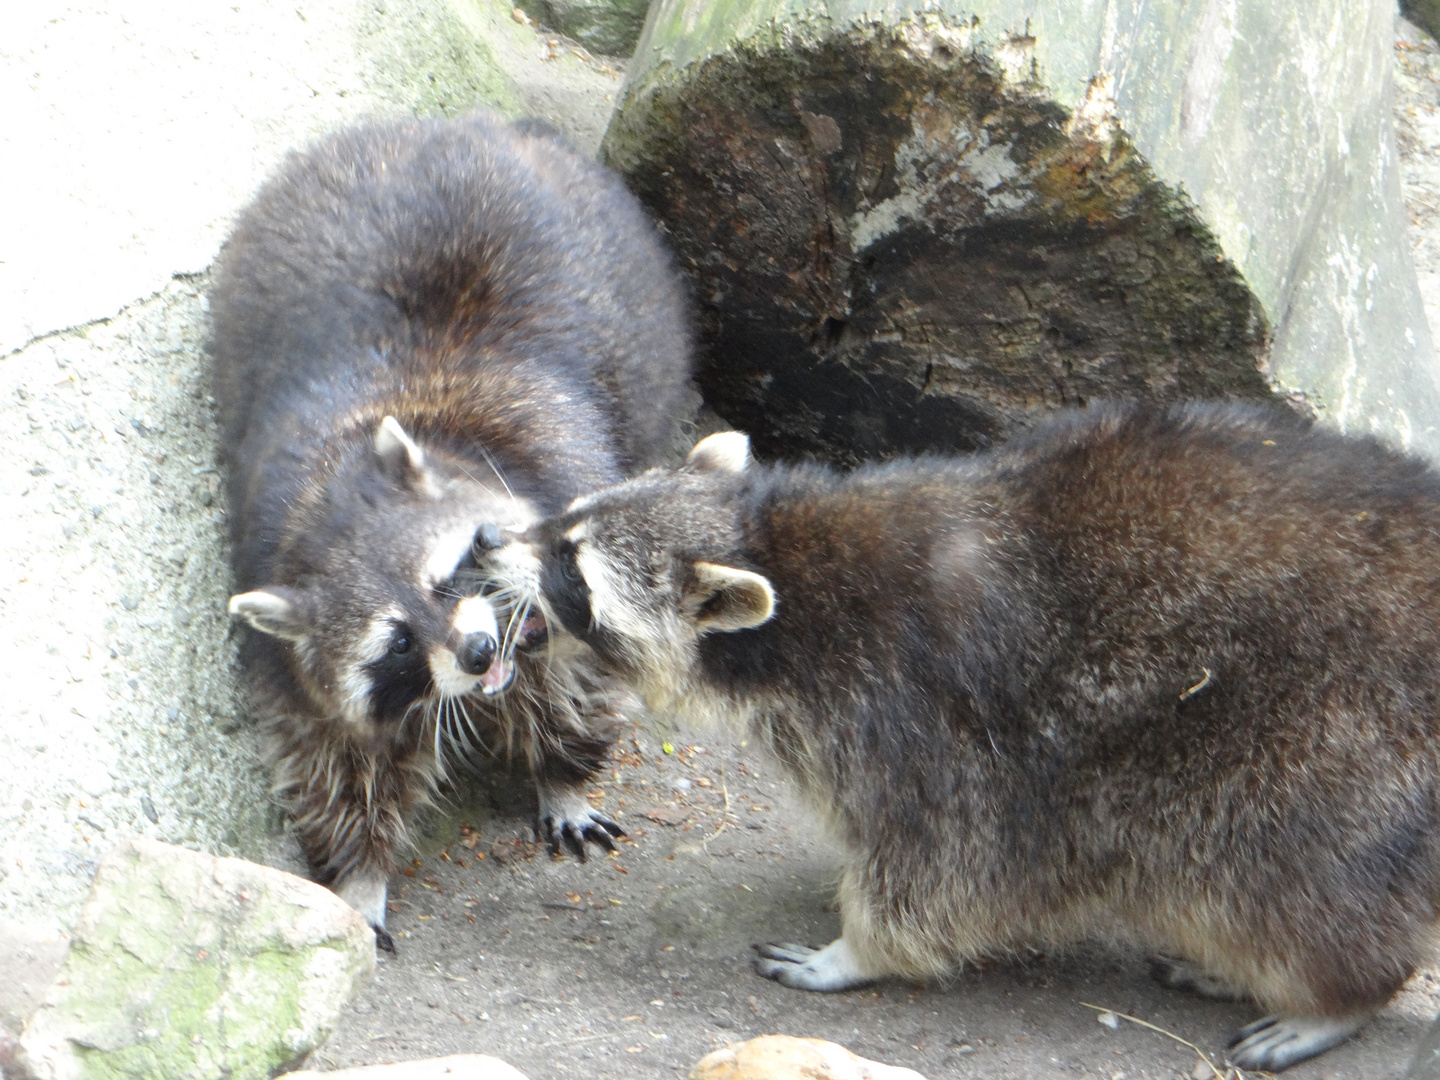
column 910, row 230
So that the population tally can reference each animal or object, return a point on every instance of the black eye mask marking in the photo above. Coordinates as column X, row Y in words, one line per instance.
column 399, row 678
column 563, row 585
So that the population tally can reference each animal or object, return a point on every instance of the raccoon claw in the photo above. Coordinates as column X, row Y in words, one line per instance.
column 383, row 941
column 826, row 970
column 571, row 832
column 1273, row 1043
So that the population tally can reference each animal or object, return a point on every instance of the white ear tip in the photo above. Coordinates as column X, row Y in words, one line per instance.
column 725, row 451
column 258, row 602
column 391, row 440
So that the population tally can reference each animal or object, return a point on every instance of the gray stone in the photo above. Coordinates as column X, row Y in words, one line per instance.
column 1426, row 1065
column 186, row 966
column 610, row 27
column 914, row 225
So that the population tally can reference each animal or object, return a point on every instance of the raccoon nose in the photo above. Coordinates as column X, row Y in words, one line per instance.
column 476, row 653
column 488, row 538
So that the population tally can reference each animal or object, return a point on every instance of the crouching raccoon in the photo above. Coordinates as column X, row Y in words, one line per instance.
column 1166, row 676
column 424, row 331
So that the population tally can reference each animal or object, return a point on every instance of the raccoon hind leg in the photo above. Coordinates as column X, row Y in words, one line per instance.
column 1177, row 974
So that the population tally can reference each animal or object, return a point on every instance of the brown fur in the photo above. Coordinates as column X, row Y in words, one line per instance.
column 1167, row 677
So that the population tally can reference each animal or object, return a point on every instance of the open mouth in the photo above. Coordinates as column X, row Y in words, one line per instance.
column 498, row 676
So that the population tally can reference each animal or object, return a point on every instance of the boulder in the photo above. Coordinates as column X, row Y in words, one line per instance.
column 187, row 966
column 610, row 27
column 782, row 1057
column 919, row 225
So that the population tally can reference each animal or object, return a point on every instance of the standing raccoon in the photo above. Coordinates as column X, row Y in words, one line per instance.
column 424, row 331
column 1167, row 677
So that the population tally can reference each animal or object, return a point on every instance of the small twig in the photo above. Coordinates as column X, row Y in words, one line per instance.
column 1169, row 1035
column 724, row 814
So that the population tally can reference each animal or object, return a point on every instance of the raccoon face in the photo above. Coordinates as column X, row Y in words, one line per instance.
column 638, row 571
column 382, row 603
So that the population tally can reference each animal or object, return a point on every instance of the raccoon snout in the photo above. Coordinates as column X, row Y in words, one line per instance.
column 488, row 538
column 476, row 653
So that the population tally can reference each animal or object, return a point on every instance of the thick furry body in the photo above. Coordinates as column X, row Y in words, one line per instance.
column 424, row 332
column 1168, row 678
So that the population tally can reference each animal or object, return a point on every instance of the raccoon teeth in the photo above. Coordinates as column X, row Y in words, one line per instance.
column 497, row 677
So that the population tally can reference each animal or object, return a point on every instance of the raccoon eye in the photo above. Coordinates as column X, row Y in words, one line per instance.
column 400, row 643
column 570, row 567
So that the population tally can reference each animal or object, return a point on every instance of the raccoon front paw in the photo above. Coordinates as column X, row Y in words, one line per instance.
column 1277, row 1042
column 825, row 970
column 567, row 820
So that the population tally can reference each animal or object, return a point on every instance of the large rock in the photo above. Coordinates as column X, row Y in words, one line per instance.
column 604, row 26
column 185, row 966
column 915, row 225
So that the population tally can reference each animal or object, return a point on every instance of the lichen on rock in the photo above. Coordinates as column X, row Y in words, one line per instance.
column 188, row 966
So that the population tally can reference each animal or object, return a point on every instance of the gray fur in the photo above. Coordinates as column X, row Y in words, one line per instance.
column 426, row 331
column 1163, row 677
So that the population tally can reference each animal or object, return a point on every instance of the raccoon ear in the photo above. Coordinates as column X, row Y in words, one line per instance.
column 725, row 451
column 399, row 454
column 277, row 611
column 726, row 598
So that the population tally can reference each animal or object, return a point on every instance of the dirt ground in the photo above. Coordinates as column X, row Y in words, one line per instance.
column 637, row 965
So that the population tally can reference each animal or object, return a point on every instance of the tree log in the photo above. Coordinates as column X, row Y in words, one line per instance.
column 913, row 226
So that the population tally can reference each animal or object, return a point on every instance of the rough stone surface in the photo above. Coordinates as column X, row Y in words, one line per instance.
column 188, row 966
column 458, row 1066
column 783, row 1057
column 610, row 27
column 910, row 229
column 1426, row 1065
column 142, row 128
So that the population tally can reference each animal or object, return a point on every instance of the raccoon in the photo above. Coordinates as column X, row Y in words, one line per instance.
column 1161, row 676
column 424, row 331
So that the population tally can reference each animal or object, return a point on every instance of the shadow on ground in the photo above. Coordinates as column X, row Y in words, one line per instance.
column 637, row 965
